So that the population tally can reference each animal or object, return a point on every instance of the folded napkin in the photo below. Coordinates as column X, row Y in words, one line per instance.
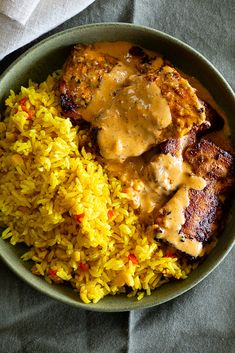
column 22, row 21
column 18, row 10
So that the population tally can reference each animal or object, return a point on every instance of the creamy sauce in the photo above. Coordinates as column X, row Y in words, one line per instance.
column 174, row 219
column 134, row 120
column 151, row 183
column 129, row 110
column 104, row 96
column 151, row 186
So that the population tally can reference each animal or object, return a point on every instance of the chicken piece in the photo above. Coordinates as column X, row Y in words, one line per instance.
column 160, row 175
column 150, row 66
column 176, row 147
column 137, row 118
column 186, row 109
column 143, row 61
column 81, row 76
column 197, row 212
column 83, row 72
column 203, row 214
column 135, row 104
column 214, row 120
column 167, row 171
column 209, row 161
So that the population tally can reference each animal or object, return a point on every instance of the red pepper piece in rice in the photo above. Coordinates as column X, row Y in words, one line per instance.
column 110, row 214
column 23, row 101
column 52, row 272
column 78, row 217
column 28, row 111
column 133, row 259
column 84, row 266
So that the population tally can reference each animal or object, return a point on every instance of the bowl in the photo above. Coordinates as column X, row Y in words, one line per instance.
column 48, row 56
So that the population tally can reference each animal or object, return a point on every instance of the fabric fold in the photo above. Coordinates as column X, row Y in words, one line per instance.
column 19, row 11
column 46, row 15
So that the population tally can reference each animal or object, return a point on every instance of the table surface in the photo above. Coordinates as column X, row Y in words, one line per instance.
column 201, row 320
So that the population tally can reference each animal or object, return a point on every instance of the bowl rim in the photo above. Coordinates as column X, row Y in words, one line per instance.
column 138, row 305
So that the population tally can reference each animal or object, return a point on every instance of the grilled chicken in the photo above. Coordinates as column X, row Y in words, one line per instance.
column 82, row 74
column 135, row 99
column 186, row 109
column 203, row 213
column 209, row 161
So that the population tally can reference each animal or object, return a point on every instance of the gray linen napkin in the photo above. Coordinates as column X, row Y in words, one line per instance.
column 200, row 321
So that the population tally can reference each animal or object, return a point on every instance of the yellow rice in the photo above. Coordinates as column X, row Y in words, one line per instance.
column 47, row 178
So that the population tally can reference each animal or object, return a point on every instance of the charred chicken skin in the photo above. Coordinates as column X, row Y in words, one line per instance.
column 204, row 210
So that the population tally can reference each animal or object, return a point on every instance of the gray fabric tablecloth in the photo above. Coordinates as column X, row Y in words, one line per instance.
column 203, row 319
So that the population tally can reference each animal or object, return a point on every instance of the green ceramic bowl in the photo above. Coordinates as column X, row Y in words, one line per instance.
column 49, row 55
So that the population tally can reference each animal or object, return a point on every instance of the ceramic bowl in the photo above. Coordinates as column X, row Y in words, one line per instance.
column 49, row 55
